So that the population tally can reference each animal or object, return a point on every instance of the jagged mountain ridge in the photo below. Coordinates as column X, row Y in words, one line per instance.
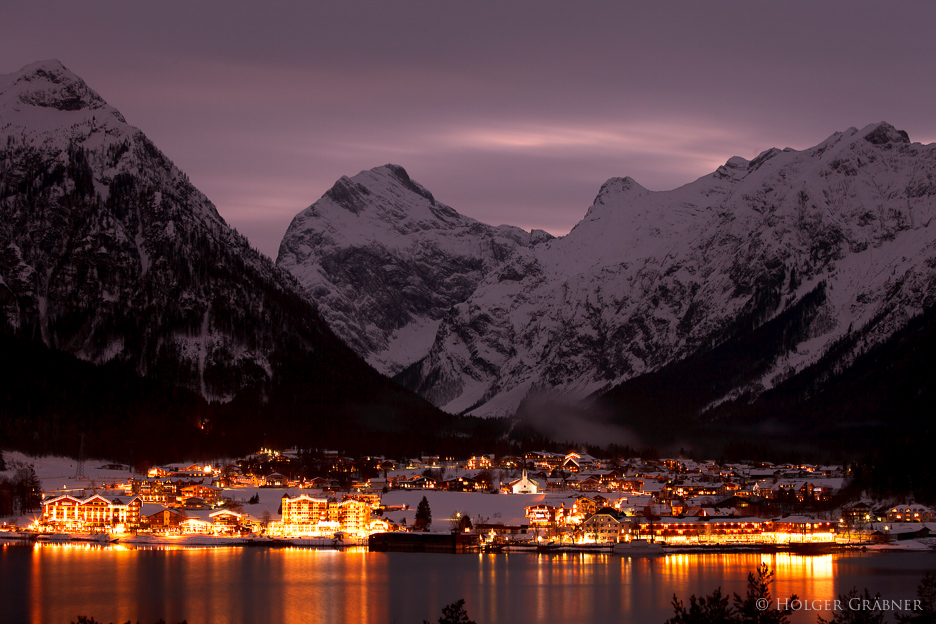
column 837, row 234
column 385, row 261
column 109, row 253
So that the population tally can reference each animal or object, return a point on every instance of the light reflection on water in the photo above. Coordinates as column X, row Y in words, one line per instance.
column 58, row 582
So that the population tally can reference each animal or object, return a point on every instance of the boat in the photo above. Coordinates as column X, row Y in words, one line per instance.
column 96, row 538
column 638, row 548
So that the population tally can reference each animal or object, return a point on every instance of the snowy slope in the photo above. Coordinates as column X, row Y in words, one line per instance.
column 838, row 233
column 385, row 261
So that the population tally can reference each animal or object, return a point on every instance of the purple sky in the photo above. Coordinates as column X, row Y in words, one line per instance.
column 510, row 112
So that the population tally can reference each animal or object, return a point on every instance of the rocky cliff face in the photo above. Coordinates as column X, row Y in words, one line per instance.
column 385, row 261
column 828, row 242
column 109, row 253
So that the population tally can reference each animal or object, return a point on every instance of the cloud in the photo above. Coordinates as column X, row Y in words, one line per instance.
column 560, row 418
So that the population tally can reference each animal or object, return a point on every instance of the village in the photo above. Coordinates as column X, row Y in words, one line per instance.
column 542, row 500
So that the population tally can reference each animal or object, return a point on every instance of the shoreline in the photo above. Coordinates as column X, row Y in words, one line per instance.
column 201, row 541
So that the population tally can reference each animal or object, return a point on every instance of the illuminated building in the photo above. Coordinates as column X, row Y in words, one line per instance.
column 95, row 513
column 910, row 513
column 306, row 515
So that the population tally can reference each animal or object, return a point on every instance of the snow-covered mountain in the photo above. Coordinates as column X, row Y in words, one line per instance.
column 833, row 240
column 727, row 288
column 385, row 261
column 109, row 253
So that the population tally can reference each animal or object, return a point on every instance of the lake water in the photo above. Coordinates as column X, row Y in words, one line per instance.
column 55, row 583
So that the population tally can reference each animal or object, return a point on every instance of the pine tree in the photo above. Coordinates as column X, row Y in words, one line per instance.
column 423, row 515
column 454, row 613
column 28, row 489
column 713, row 609
column 751, row 607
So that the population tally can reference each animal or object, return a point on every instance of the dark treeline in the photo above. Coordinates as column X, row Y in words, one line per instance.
column 49, row 400
column 885, row 396
column 20, row 493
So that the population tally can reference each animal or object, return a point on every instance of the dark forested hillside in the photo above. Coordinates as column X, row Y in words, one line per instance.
column 836, row 407
column 49, row 400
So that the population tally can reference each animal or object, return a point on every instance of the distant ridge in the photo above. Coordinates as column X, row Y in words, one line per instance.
column 757, row 273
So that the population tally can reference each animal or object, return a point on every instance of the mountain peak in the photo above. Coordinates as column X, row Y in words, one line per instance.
column 883, row 134
column 735, row 168
column 402, row 176
column 396, row 170
column 613, row 190
column 619, row 186
column 48, row 66
column 48, row 86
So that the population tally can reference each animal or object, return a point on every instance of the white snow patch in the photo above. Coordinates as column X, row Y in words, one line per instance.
column 405, row 346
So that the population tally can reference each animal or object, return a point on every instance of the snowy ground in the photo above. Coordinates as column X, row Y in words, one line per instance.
column 58, row 477
column 925, row 543
column 58, row 473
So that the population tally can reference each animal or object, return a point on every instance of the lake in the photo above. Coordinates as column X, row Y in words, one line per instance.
column 55, row 583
